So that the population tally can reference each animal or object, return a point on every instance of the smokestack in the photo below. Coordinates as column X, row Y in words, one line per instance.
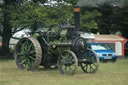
column 77, row 17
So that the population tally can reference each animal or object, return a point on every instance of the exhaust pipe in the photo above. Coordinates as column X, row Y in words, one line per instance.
column 77, row 17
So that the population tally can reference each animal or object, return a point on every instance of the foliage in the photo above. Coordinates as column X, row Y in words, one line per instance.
column 88, row 19
column 121, row 19
column 27, row 16
column 30, row 14
column 6, row 26
column 59, row 15
column 113, row 19
column 105, row 21
column 73, row 2
column 39, row 1
column 1, row 27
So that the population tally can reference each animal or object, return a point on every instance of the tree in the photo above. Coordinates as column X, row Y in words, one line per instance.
column 6, row 27
column 89, row 18
column 105, row 22
column 10, row 20
column 35, row 15
column 114, row 19
column 31, row 14
column 72, row 2
column 121, row 19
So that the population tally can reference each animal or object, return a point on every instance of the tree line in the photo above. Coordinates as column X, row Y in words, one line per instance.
column 16, row 15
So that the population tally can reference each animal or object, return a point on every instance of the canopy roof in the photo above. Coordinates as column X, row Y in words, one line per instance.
column 109, row 38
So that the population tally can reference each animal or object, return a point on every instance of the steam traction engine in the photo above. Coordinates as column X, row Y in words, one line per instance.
column 60, row 46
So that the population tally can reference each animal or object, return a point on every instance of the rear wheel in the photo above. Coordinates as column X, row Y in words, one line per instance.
column 91, row 64
column 67, row 62
column 28, row 53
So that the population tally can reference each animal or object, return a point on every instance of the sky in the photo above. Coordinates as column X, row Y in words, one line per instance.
column 95, row 3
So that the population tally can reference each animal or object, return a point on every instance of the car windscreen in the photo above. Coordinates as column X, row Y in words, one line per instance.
column 100, row 47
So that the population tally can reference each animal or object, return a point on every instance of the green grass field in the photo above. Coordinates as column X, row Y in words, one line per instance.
column 108, row 74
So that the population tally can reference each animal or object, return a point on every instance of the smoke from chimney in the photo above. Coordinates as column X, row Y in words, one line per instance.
column 96, row 3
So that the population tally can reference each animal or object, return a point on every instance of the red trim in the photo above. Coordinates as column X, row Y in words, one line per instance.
column 123, row 38
column 123, row 42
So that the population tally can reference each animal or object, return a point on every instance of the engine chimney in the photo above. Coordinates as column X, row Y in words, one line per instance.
column 77, row 17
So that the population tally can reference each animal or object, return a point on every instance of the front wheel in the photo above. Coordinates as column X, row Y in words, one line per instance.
column 91, row 64
column 67, row 62
column 28, row 53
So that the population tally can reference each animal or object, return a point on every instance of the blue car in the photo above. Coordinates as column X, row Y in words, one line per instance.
column 103, row 51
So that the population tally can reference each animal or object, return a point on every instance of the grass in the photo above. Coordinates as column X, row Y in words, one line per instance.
column 108, row 74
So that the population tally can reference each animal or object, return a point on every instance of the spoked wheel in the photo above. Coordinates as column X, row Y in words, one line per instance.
column 67, row 62
column 28, row 54
column 91, row 64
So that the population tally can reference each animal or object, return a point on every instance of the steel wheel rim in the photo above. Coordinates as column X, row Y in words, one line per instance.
column 67, row 63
